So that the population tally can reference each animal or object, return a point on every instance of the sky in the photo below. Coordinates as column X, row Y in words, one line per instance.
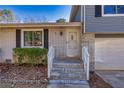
column 49, row 12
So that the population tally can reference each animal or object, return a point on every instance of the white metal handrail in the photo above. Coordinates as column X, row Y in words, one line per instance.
column 0, row 54
column 85, row 58
column 51, row 56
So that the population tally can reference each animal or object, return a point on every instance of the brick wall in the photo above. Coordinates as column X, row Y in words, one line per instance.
column 88, row 39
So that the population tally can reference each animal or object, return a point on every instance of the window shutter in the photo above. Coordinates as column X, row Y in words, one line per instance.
column 46, row 38
column 98, row 11
column 18, row 38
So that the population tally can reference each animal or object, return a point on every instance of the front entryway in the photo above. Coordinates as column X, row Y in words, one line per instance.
column 72, row 44
column 66, row 43
column 67, row 73
column 58, row 41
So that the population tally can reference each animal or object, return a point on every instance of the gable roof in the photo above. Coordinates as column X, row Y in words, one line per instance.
column 73, row 13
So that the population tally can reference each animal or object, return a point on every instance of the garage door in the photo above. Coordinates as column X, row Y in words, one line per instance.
column 109, row 52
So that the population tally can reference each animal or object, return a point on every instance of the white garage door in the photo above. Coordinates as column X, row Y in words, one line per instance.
column 109, row 53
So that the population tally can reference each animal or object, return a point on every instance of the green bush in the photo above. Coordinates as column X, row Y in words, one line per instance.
column 33, row 56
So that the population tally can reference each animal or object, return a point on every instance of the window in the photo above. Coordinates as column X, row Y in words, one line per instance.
column 32, row 38
column 120, row 9
column 113, row 10
column 109, row 9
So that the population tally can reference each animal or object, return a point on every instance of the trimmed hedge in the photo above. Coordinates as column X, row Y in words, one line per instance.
column 33, row 56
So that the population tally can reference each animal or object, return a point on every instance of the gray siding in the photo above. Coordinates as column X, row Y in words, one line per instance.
column 102, row 24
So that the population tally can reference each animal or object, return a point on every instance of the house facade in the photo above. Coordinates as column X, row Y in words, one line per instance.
column 103, row 33
column 64, row 37
column 100, row 28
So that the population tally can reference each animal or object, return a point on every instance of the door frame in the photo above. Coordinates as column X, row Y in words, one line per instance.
column 78, row 43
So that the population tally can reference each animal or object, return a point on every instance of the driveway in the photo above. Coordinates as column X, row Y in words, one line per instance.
column 114, row 78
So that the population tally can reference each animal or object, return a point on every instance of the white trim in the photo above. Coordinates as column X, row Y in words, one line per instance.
column 81, row 14
column 84, row 19
column 22, row 38
column 108, row 15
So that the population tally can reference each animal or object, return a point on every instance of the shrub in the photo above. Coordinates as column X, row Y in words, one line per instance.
column 33, row 56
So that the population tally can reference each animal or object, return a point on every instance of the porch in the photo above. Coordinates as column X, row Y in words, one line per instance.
column 64, row 37
column 68, row 72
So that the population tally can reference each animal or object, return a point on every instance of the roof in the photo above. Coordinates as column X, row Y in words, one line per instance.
column 74, row 10
column 21, row 25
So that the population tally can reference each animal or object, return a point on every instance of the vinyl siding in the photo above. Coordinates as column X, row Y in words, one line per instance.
column 60, row 42
column 109, row 24
column 7, row 43
column 57, row 41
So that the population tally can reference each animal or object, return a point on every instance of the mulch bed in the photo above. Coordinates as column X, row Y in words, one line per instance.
column 98, row 82
column 23, row 76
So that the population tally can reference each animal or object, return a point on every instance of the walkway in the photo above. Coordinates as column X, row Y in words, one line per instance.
column 114, row 78
column 67, row 73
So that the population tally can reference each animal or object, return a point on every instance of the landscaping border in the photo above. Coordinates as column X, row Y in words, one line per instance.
column 97, row 82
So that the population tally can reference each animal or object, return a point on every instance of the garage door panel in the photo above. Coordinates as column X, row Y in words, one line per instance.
column 109, row 53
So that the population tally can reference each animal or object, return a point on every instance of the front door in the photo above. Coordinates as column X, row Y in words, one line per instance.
column 72, row 44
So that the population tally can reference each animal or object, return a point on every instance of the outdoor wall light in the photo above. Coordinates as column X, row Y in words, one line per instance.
column 61, row 33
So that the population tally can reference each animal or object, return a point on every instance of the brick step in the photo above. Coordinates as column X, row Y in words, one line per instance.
column 83, row 82
column 67, row 86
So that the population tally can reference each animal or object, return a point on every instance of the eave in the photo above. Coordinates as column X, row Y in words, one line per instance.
column 39, row 25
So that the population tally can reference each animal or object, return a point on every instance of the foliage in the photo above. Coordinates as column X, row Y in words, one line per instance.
column 33, row 56
column 61, row 20
column 6, row 15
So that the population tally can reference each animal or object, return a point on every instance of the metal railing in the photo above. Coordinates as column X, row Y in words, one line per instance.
column 0, row 54
column 85, row 58
column 51, row 56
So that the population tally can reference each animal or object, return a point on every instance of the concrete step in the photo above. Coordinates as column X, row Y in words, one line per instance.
column 70, row 70
column 67, row 61
column 67, row 86
column 56, row 75
column 67, row 65
column 66, row 78
column 60, row 81
column 67, row 73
